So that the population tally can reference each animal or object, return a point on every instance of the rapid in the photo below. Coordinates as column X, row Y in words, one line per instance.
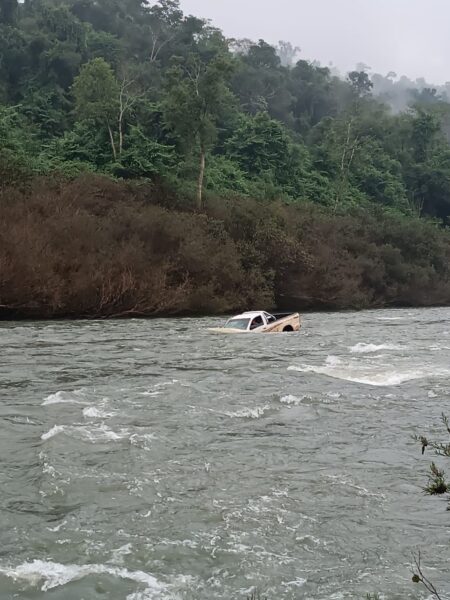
column 155, row 460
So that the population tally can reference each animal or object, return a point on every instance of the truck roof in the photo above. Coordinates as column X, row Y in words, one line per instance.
column 250, row 314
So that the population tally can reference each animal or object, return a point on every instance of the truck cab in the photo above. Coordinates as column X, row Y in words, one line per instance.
column 249, row 321
column 260, row 321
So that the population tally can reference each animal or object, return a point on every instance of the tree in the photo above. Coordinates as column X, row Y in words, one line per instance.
column 96, row 92
column 163, row 22
column 261, row 83
column 360, row 81
column 287, row 53
column 8, row 11
column 196, row 94
column 314, row 94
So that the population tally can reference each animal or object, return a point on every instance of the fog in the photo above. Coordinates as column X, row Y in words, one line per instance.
column 409, row 37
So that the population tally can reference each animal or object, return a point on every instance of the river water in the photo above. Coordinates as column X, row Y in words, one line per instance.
column 152, row 459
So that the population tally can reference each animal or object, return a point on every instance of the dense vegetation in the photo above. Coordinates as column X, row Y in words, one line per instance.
column 149, row 165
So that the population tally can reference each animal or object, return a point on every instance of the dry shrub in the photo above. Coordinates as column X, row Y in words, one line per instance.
column 98, row 248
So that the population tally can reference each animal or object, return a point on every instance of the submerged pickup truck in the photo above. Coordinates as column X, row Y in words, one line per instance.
column 260, row 322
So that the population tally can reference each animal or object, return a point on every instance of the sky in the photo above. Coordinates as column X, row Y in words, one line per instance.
column 409, row 37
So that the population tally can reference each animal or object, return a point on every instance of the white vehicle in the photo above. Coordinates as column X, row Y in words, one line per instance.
column 260, row 322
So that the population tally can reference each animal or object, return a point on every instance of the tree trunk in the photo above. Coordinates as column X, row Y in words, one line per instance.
column 200, row 179
column 120, row 134
column 113, row 145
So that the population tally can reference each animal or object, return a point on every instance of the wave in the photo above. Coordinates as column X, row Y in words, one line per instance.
column 64, row 398
column 375, row 375
column 50, row 575
column 167, row 383
column 368, row 348
column 96, row 413
column 98, row 433
column 392, row 318
column 292, row 400
column 299, row 582
column 249, row 413
column 143, row 440
column 117, row 555
column 52, row 432
column 347, row 482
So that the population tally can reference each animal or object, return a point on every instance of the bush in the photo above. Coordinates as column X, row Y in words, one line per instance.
column 94, row 247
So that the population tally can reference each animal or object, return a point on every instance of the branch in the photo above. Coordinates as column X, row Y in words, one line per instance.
column 419, row 577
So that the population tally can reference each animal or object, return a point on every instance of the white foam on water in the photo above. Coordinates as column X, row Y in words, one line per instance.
column 49, row 575
column 292, row 400
column 117, row 556
column 374, row 374
column 92, row 412
column 52, row 432
column 157, row 389
column 101, row 433
column 74, row 397
column 96, row 433
column 333, row 361
column 178, row 543
column 57, row 528
column 143, row 440
column 249, row 413
column 348, row 483
column 299, row 582
column 362, row 348
column 392, row 318
column 167, row 383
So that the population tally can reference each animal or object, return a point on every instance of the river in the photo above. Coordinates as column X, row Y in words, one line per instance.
column 152, row 459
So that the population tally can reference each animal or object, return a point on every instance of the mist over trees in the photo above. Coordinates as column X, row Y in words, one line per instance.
column 140, row 93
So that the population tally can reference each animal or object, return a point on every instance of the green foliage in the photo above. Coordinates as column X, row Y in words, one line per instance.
column 96, row 91
column 440, row 448
column 17, row 162
column 360, row 81
column 138, row 90
column 142, row 157
column 436, row 484
column 225, row 175
column 291, row 130
column 84, row 144
column 195, row 94
column 8, row 11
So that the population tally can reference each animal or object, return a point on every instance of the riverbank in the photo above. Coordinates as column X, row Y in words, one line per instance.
column 98, row 248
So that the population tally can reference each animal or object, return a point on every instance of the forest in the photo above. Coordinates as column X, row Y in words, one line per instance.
column 151, row 166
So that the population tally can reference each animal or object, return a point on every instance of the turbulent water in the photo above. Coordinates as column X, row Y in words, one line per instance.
column 156, row 460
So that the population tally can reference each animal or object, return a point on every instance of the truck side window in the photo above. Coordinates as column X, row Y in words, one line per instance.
column 257, row 322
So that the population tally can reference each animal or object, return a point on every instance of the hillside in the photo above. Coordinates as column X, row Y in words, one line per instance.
column 150, row 166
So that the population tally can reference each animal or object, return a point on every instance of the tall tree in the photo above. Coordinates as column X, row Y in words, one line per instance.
column 287, row 53
column 96, row 92
column 361, row 83
column 164, row 19
column 196, row 94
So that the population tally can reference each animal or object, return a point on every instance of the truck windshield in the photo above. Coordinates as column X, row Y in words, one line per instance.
column 237, row 323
